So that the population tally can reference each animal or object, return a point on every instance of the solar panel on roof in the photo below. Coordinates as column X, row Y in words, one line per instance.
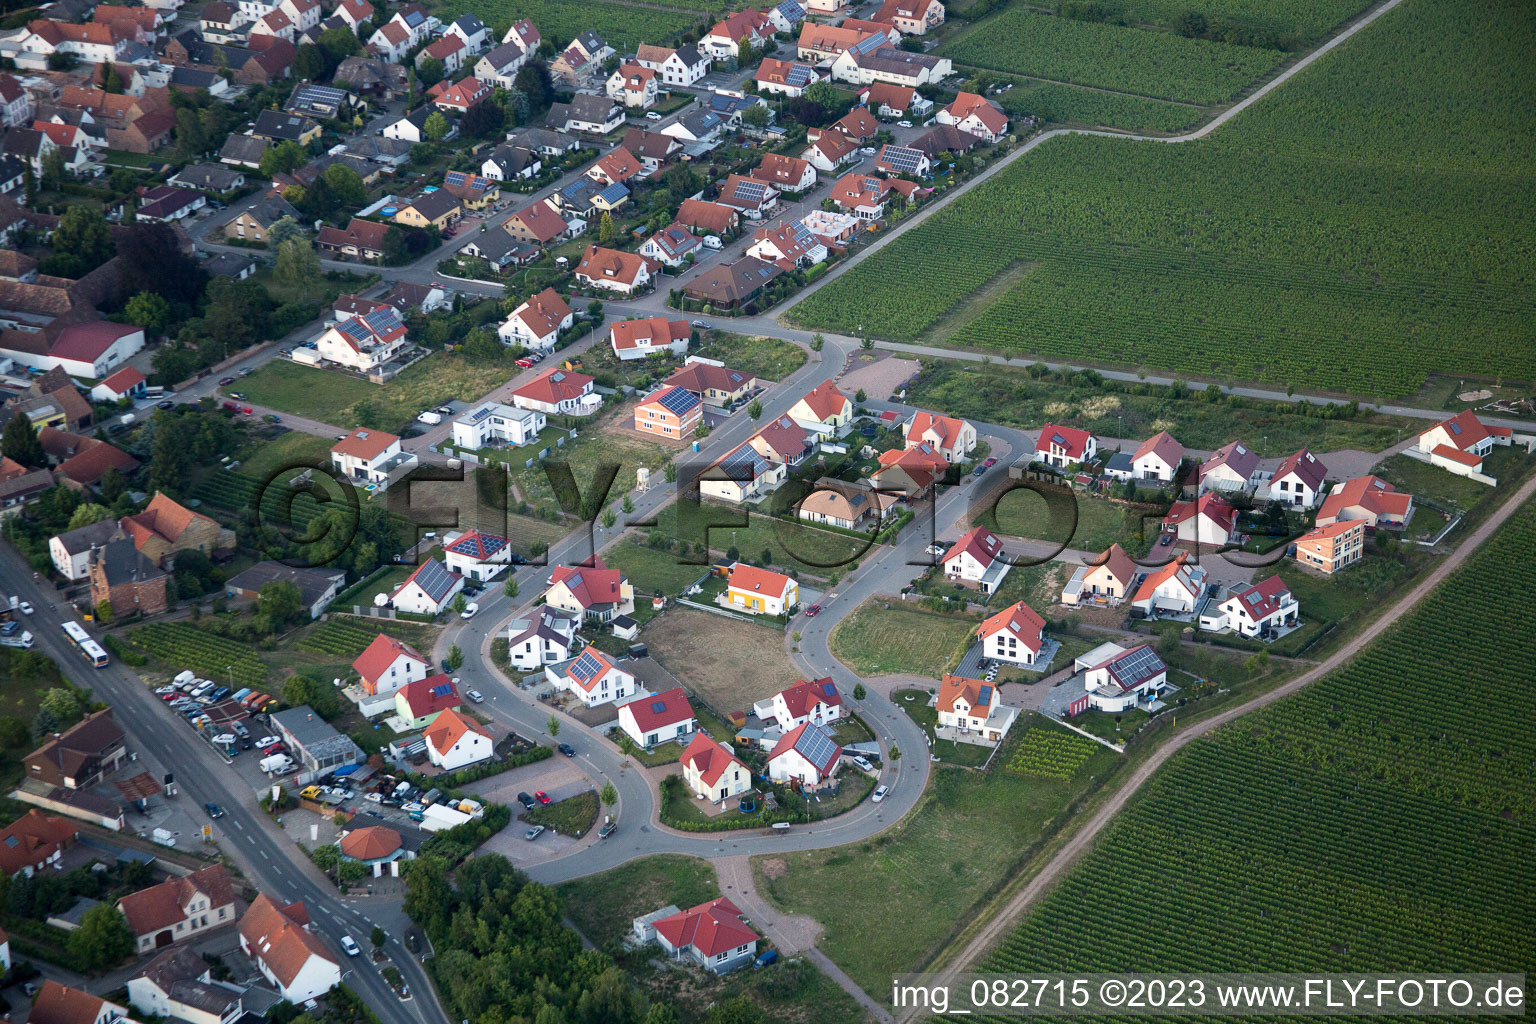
column 902, row 158
column 743, row 464
column 454, row 178
column 750, row 191
column 815, row 746
column 574, row 581
column 828, row 690
column 678, row 401
column 442, row 689
column 586, row 666
column 658, row 707
column 352, row 329
column 984, row 696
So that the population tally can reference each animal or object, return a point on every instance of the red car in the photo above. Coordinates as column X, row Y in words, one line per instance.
column 990, row 461
column 525, row 362
column 541, row 796
column 814, row 609
column 225, row 382
column 276, row 748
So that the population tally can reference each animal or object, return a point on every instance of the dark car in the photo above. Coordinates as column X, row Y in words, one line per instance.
column 165, row 404
column 608, row 829
column 446, row 667
column 214, row 811
column 567, row 750
column 225, row 382
column 1167, row 539
column 528, row 802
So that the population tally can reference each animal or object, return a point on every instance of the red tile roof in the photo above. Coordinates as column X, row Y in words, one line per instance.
column 709, row 758
column 1264, row 598
column 1119, row 564
column 162, row 518
column 1370, row 493
column 379, row 655
column 32, row 838
column 803, row 740
column 802, row 698
column 1178, row 569
column 659, row 710
column 124, row 380
column 88, row 341
column 165, row 905
column 657, row 329
column 1307, row 467
column 825, row 401
column 980, row 543
column 590, row 586
column 449, row 728
column 278, row 937
column 372, row 843
column 364, row 444
column 1072, row 442
column 60, row 1004
column 431, row 695
column 544, row 313
column 1163, row 444
column 711, row 928
column 555, row 386
column 1018, row 620
column 948, row 428
column 702, row 215
column 751, row 579
column 601, row 264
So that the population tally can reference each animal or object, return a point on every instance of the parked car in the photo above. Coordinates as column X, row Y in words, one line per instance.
column 990, row 461
column 879, row 793
column 935, row 550
column 567, row 750
column 608, row 829
column 702, row 325
column 534, row 833
column 165, row 404
column 527, row 801
column 651, row 115
column 225, row 382
column 525, row 362
column 903, row 124
column 267, row 741
column 813, row 611
column 1167, row 539
column 469, row 610
column 349, row 946
column 767, row 957
column 541, row 796
column 475, row 696
column 245, row 371
column 863, row 763
column 446, row 667
column 26, row 608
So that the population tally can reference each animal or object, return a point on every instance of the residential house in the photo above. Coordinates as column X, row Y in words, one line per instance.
column 127, row 383
column 523, row 34
column 671, row 246
column 782, row 441
column 717, row 386
column 290, row 956
column 429, row 590
column 820, row 43
column 178, row 984
column 244, row 151
column 1119, row 679
column 753, row 199
column 16, row 103
column 221, row 22
column 83, row 461
column 81, row 756
column 658, row 718
column 1015, row 635
column 1174, row 589
column 460, row 96
column 469, row 30
column 1209, row 519
column 1332, row 547
column 369, row 456
column 544, row 639
column 786, row 15
column 593, row 678
column 893, row 160
column 701, row 127
column 476, row 555
column 511, row 163
column 254, row 221
column 615, row 167
column 859, row 195
column 473, row 191
column 35, row 841
column 823, row 410
column 653, row 149
column 317, row 587
column 1157, row 458
column 1260, row 610
column 848, row 506
column 670, row 412
column 814, row 701
column 785, row 173
column 20, row 485
column 586, row 112
column 91, row 43
column 387, row 664
column 712, row 772
column 950, row 436
column 1107, row 580
column 215, row 178
column 1369, row 499
column 1460, row 443
column 539, row 224
column 419, row 702
column 322, row 102
column 93, row 349
column 1298, row 481
column 973, row 708
column 127, row 582
column 732, row 286
column 896, row 101
column 714, row 935
column 500, row 250
column 449, row 51
column 1065, row 446
column 166, row 203
column 378, row 848
column 559, row 392
column 71, row 550
column 760, row 591
column 60, row 1004
column 613, row 270
column 911, row 17
column 166, row 528
column 874, row 60
column 281, row 126
column 354, row 12
column 179, row 908
column 683, row 66
column 495, row 424
column 636, row 339
column 741, row 474
column 787, row 246
column 499, row 67
column 806, row 755
column 1232, row 467
column 976, row 559
column 578, row 65
column 634, row 86
column 705, row 218
column 723, row 40
column 785, row 77
column 591, row 592
column 412, row 126
column 441, row 210
column 362, row 240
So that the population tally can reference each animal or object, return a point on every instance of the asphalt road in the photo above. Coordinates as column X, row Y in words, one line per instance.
column 267, row 856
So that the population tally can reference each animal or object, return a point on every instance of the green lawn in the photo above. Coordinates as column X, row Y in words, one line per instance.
column 768, row 358
column 795, row 546
column 594, row 448
column 293, row 449
column 323, row 289
column 882, row 637
column 1049, row 514
column 573, row 816
column 363, row 591
column 651, row 570
column 602, row 906
column 343, row 400
column 969, row 833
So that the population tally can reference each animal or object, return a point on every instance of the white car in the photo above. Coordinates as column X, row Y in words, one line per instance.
column 267, row 741
column 903, row 124
column 935, row 549
column 651, row 115
column 350, row 946
column 26, row 608
column 863, row 763
column 879, row 794
column 469, row 610
column 373, row 798
column 475, row 696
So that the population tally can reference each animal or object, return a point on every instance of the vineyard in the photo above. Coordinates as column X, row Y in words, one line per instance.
column 622, row 26
column 1304, row 20
column 1157, row 64
column 1050, row 753
column 1249, row 255
column 339, row 637
column 1070, row 104
column 181, row 646
column 1381, row 819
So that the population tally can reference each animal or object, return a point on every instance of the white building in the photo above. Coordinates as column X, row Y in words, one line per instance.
column 974, row 710
column 477, row 556
column 1157, row 458
column 179, row 984
column 370, row 456
column 429, row 590
column 71, row 551
column 387, row 665
column 712, row 772
column 816, row 701
column 1232, row 467
column 544, row 639
column 1014, row 635
column 1175, row 589
column 1298, row 481
column 658, row 718
column 807, row 754
column 1118, row 679
column 593, row 678
column 537, row 323
column 977, row 558
column 559, row 392
column 493, row 423
column 454, row 740
column 286, row 952
column 364, row 343
column 1256, row 611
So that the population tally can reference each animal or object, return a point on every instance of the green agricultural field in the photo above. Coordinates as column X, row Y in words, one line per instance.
column 1161, row 65
column 1058, row 103
column 1289, row 22
column 295, row 448
column 881, row 638
column 1377, row 819
column 602, row 906
column 967, row 835
column 1345, row 215
column 622, row 26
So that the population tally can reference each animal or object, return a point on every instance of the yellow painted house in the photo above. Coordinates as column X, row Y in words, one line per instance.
column 760, row 591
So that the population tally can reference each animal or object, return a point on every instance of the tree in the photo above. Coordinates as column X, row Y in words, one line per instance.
column 609, row 795
column 149, row 311
column 552, row 726
column 81, row 243
column 669, row 471
column 378, row 936
column 1190, row 23
column 281, row 158
column 436, row 126
column 340, row 43
column 824, row 95
column 13, row 733
column 859, row 396
column 605, row 229
column 282, row 229
column 455, row 657
column 87, row 514
column 755, row 409
column 661, row 1013
column 758, row 115
column 279, row 600
column 103, row 938
column 817, row 342
column 113, row 486
column 534, row 82
column 510, row 587
column 429, row 70
column 53, row 169
column 65, row 704
column 608, row 518
column 19, row 442
column 309, row 62
column 190, row 140
column 858, row 691
column 153, row 261
column 28, row 185
column 866, row 343
column 111, row 81
column 297, row 265
column 481, row 121
column 744, row 53
column 740, row 1010
column 681, row 181
column 627, row 505
column 346, row 185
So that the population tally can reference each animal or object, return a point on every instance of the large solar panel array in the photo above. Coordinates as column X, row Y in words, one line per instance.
column 803, row 236
column 613, row 193
column 902, row 159
column 743, row 464
column 799, row 75
column 382, row 321
column 434, row 578
column 749, row 191
column 677, row 401
column 984, row 697
column 815, row 746
column 1137, row 666
column 321, row 94
column 354, row 330
column 871, row 43
column 586, row 666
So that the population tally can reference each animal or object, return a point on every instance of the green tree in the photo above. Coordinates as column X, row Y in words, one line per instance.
column 65, row 704
column 53, row 169
column 111, row 81
column 824, row 95
column 282, row 229
column 436, row 126
column 455, row 658
column 149, row 311
column 744, row 53
column 534, row 82
column 866, row 343
column 279, row 600
column 817, row 342
column 19, row 442
column 609, row 795
column 755, row 409
column 858, row 691
column 102, row 940
column 297, row 265
column 346, row 185
column 28, row 185
column 627, row 505
column 758, row 115
column 309, row 62
column 190, row 140
column 13, row 733
column 281, row 158
column 81, row 243
column 740, row 1010
column 605, row 229
column 460, row 602
column 661, row 1013
column 552, row 726
column 430, row 71
column 87, row 514
column 608, row 518
column 860, row 396
column 340, row 43
column 669, row 471
column 510, row 587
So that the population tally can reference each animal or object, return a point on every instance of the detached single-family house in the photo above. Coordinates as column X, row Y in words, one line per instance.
column 807, row 755
column 71, row 550
column 712, row 772
column 658, row 718
column 1257, row 611
column 671, row 246
column 418, row 703
column 547, row 637
column 1157, row 458
column 785, row 77
column 624, row 273
column 760, row 591
column 369, row 456
column 178, row 984
column 591, row 592
column 317, row 587
column 823, row 410
column 910, row 17
column 364, row 343
column 35, row 841
column 429, row 590
column 593, row 678
column 60, row 1004
column 387, row 664
column 477, row 556
column 286, row 952
column 711, row 934
column 1123, row 678
column 976, row 559
column 1332, row 547
column 911, row 472
column 807, row 701
column 495, row 424
column 1014, row 635
column 1209, row 519
column 787, row 246
column 950, row 436
column 1460, row 443
column 636, row 339
column 683, row 66
column 672, row 413
column 974, row 708
column 1232, row 467
column 1369, row 499
column 848, row 506
column 1065, row 446
column 1105, row 581
column 537, row 323
column 975, row 115
column 1174, row 589
column 717, row 386
column 634, row 86
column 559, row 392
column 742, row 474
column 454, row 741
column 785, row 173
column 723, row 40
column 1298, row 481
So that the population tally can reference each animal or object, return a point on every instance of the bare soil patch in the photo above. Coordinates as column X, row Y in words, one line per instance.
column 727, row 662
